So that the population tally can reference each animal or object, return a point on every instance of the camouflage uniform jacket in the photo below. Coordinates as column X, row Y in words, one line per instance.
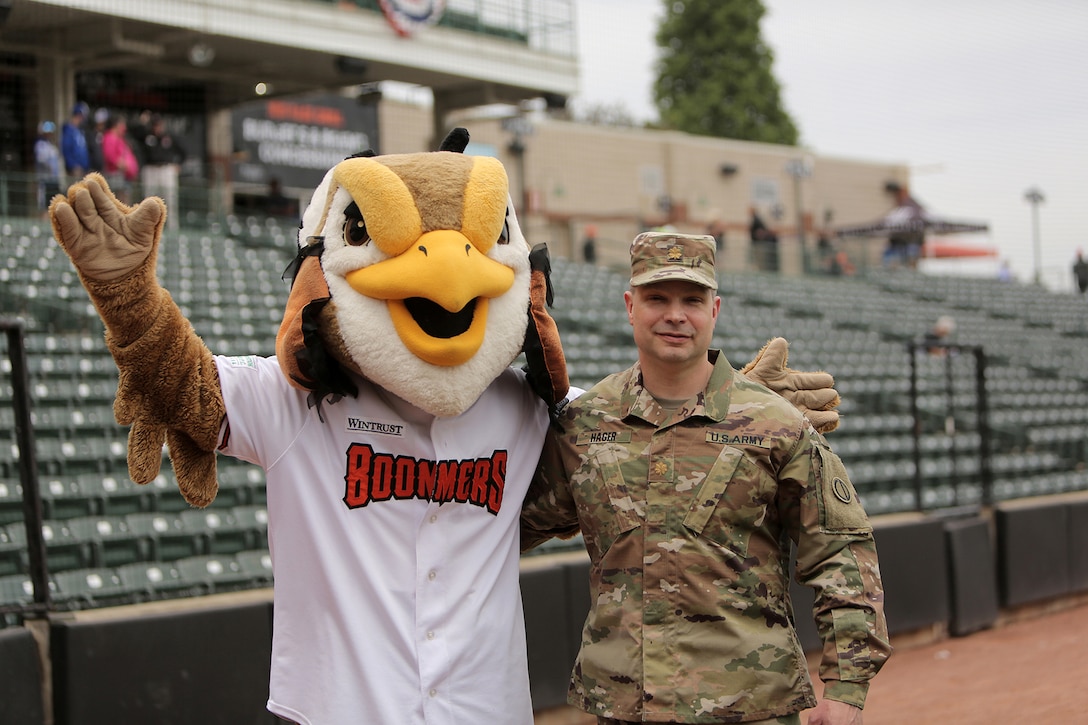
column 688, row 519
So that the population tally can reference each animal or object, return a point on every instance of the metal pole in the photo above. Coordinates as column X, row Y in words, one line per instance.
column 985, row 467
column 799, row 169
column 28, row 463
column 1035, row 198
column 950, row 422
column 917, row 415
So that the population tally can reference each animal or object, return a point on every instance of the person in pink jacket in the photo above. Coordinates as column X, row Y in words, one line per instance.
column 120, row 165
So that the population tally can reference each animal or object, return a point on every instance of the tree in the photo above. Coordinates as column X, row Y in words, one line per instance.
column 714, row 73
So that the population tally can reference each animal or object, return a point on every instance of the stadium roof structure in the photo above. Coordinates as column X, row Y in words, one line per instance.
column 478, row 52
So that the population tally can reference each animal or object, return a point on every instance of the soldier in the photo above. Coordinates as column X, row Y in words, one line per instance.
column 688, row 482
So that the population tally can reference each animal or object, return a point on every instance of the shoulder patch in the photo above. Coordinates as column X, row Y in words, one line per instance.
column 840, row 510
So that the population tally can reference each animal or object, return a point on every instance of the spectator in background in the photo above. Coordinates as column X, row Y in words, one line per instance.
column 47, row 163
column 162, row 155
column 1080, row 272
column 716, row 229
column 73, row 143
column 276, row 203
column 764, row 243
column 95, row 134
column 1004, row 272
column 118, row 162
column 939, row 335
column 589, row 245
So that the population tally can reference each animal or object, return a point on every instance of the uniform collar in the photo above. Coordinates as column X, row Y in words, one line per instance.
column 713, row 402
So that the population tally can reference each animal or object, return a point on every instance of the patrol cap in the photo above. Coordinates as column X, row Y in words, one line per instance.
column 662, row 256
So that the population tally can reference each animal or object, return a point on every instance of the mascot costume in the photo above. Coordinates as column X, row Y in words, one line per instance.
column 397, row 440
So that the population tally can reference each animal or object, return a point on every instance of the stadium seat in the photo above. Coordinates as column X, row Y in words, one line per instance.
column 13, row 555
column 11, row 501
column 214, row 573
column 115, row 495
column 92, row 587
column 221, row 532
column 169, row 538
column 156, row 580
column 112, row 541
column 255, row 519
column 16, row 589
column 64, row 498
column 256, row 564
column 63, row 550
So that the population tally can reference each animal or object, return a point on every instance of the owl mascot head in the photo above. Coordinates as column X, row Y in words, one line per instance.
column 413, row 272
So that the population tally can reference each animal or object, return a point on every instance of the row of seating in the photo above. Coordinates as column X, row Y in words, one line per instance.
column 98, row 541
column 145, row 581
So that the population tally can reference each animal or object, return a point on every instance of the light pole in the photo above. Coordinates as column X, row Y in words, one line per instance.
column 799, row 169
column 1035, row 197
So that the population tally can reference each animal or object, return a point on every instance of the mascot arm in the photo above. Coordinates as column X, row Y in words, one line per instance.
column 813, row 393
column 168, row 386
column 546, row 366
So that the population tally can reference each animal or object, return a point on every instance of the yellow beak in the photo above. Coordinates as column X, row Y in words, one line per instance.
column 437, row 292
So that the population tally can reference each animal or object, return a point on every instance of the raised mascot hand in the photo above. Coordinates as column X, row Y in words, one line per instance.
column 813, row 393
column 168, row 387
column 106, row 239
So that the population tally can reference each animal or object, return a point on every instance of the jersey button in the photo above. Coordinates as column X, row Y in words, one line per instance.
column 430, row 635
column 433, row 692
column 432, row 574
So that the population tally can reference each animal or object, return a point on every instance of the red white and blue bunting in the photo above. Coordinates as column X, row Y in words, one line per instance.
column 408, row 16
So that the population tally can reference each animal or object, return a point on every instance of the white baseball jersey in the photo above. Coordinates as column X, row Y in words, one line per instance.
column 394, row 541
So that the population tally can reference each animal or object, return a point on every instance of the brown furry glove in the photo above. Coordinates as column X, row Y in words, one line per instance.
column 546, row 366
column 813, row 393
column 168, row 387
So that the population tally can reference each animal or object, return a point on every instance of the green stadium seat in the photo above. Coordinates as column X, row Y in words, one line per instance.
column 63, row 498
column 166, row 497
column 16, row 589
column 214, row 573
column 92, row 587
column 254, row 519
column 115, row 495
column 111, row 539
column 169, row 538
column 63, row 550
column 220, row 530
column 13, row 555
column 11, row 501
column 256, row 564
column 156, row 580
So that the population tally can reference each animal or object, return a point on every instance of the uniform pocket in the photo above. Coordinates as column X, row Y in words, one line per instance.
column 730, row 503
column 607, row 504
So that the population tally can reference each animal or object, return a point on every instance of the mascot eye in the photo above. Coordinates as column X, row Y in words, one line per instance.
column 504, row 235
column 355, row 232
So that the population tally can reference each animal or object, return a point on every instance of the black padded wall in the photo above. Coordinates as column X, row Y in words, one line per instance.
column 207, row 666
column 21, row 678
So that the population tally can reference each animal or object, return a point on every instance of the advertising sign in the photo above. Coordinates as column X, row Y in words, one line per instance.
column 297, row 140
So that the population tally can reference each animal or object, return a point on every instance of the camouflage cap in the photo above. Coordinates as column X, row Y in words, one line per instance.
column 661, row 256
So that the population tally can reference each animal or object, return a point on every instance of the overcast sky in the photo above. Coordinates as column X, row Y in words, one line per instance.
column 982, row 98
